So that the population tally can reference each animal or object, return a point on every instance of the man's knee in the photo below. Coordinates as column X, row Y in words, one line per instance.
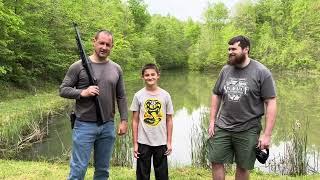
column 242, row 173
column 241, row 169
column 218, row 171
column 217, row 166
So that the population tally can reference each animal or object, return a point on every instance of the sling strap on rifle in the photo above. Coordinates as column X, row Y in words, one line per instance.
column 92, row 79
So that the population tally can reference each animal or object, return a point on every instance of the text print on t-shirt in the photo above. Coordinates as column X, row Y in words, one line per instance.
column 235, row 88
column 153, row 112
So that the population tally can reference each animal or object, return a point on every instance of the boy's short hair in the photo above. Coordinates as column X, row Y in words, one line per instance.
column 150, row 66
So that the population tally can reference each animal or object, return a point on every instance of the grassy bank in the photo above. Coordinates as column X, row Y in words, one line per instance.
column 43, row 170
column 21, row 118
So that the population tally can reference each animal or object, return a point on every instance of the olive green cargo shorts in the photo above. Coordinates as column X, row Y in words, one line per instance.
column 226, row 146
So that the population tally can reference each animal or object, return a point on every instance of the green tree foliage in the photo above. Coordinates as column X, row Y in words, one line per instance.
column 216, row 16
column 210, row 50
column 191, row 32
column 31, row 47
column 284, row 33
column 170, row 50
column 9, row 29
column 37, row 39
column 141, row 16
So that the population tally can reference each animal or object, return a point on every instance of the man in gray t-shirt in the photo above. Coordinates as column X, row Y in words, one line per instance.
column 244, row 89
column 87, row 133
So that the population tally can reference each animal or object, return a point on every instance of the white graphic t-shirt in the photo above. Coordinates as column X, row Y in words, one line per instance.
column 236, row 88
column 152, row 128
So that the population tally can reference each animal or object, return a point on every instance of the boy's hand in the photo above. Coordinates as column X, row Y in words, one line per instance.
column 135, row 151
column 123, row 126
column 169, row 150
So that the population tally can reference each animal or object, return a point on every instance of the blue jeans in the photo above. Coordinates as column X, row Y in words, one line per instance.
column 86, row 135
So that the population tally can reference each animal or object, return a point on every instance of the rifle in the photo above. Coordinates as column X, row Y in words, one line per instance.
column 86, row 63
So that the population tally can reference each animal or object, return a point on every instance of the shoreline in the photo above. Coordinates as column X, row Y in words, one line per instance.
column 24, row 121
column 44, row 170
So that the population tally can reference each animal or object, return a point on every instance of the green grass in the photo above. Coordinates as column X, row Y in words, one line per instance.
column 10, row 91
column 25, row 170
column 22, row 116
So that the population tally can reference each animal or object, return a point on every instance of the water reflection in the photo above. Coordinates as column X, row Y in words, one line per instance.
column 278, row 159
column 186, row 126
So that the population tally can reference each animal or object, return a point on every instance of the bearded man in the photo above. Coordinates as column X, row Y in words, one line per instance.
column 243, row 92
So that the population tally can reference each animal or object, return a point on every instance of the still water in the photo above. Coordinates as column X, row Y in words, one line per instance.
column 298, row 103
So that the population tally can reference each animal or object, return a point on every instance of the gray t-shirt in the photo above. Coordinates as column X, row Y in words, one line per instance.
column 152, row 128
column 243, row 92
column 111, row 89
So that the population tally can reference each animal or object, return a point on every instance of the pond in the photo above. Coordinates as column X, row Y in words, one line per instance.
column 298, row 112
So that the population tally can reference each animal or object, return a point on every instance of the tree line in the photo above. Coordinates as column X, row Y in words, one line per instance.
column 37, row 39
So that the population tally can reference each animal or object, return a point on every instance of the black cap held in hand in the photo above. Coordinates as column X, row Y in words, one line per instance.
column 261, row 155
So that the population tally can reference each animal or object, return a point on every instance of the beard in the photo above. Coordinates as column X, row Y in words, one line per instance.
column 236, row 59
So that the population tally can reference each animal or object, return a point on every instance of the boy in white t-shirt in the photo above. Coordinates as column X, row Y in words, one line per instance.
column 152, row 126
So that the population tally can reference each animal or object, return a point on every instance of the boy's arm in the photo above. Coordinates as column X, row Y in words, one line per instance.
column 135, row 122
column 169, row 134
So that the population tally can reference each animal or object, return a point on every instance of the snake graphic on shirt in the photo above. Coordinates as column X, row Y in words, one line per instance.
column 153, row 112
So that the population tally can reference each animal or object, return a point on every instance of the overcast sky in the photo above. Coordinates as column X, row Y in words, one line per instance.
column 182, row 9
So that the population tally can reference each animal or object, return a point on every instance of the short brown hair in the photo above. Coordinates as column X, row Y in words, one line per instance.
column 244, row 41
column 150, row 66
column 105, row 32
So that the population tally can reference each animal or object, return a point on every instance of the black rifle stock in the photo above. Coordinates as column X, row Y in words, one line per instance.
column 92, row 80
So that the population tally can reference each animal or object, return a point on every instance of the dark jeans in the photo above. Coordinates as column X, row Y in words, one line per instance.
column 160, row 162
